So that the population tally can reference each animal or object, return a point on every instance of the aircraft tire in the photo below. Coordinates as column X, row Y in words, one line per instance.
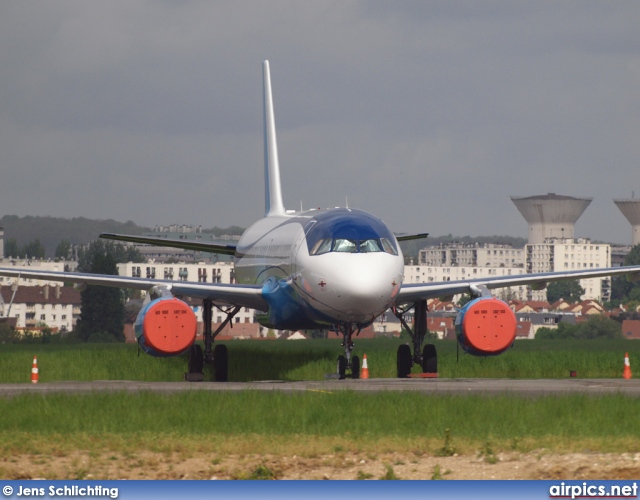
column 355, row 367
column 403, row 361
column 220, row 363
column 429, row 359
column 196, row 359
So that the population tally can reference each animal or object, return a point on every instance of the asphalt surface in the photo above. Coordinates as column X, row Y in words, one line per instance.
column 527, row 387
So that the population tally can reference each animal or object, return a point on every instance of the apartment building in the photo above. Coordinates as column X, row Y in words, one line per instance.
column 57, row 307
column 428, row 274
column 571, row 255
column 458, row 262
column 487, row 255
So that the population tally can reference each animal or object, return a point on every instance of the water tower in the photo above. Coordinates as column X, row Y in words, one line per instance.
column 631, row 210
column 550, row 215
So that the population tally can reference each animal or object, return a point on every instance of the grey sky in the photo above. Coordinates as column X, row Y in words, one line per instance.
column 428, row 114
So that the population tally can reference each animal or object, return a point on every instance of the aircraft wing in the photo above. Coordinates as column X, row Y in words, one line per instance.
column 198, row 246
column 410, row 293
column 221, row 294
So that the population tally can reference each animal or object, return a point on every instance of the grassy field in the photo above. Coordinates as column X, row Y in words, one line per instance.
column 312, row 360
column 362, row 422
column 104, row 428
column 340, row 413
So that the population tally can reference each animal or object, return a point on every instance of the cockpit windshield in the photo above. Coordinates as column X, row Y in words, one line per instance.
column 349, row 231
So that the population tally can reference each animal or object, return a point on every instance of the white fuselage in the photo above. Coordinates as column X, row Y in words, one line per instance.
column 324, row 289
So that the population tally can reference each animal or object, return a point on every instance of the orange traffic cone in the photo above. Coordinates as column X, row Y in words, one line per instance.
column 34, row 371
column 364, row 372
column 626, row 373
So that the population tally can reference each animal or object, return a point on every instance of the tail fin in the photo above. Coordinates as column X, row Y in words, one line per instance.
column 272, row 189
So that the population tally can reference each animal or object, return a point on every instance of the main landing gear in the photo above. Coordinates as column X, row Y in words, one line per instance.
column 217, row 357
column 348, row 363
column 426, row 357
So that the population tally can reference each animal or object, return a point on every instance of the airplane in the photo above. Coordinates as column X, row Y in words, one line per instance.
column 337, row 269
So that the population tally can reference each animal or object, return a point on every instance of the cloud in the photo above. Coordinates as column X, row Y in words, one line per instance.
column 429, row 114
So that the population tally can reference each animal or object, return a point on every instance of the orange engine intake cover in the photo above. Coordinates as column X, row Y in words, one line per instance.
column 489, row 325
column 170, row 326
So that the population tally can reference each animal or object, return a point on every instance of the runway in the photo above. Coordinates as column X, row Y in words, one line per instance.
column 537, row 387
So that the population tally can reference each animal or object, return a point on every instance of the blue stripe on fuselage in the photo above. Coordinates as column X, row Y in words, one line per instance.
column 288, row 310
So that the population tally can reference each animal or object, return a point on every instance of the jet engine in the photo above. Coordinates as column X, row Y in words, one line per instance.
column 165, row 327
column 486, row 326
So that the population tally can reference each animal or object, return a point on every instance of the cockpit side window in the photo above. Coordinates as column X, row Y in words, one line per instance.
column 388, row 246
column 321, row 246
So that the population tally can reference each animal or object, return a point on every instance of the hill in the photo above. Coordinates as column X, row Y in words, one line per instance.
column 52, row 230
column 81, row 231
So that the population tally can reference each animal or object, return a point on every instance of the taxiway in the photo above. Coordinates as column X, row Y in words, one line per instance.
column 528, row 387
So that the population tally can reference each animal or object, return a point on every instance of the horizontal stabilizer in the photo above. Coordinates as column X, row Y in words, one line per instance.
column 198, row 246
column 410, row 237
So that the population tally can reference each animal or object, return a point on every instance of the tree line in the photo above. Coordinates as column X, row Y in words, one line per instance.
column 597, row 327
column 36, row 250
column 49, row 230
column 77, row 230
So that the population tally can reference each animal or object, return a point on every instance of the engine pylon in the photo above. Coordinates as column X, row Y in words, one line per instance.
column 626, row 373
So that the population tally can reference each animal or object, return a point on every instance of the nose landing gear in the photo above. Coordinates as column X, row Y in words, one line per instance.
column 348, row 364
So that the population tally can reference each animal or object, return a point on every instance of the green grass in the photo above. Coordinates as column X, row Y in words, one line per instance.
column 314, row 423
column 312, row 360
column 355, row 417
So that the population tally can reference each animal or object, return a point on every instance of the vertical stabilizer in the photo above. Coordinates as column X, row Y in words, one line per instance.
column 272, row 189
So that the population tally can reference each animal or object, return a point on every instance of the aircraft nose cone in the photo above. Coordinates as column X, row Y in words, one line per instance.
column 365, row 285
column 365, row 290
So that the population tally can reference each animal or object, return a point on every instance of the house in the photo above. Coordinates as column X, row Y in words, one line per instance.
column 297, row 336
column 366, row 333
column 560, row 305
column 524, row 330
column 441, row 325
column 388, row 325
column 586, row 308
column 441, row 305
column 631, row 328
column 534, row 321
column 522, row 308
column 529, row 306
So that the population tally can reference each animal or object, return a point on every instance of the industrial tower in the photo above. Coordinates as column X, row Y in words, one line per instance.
column 550, row 215
column 631, row 210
